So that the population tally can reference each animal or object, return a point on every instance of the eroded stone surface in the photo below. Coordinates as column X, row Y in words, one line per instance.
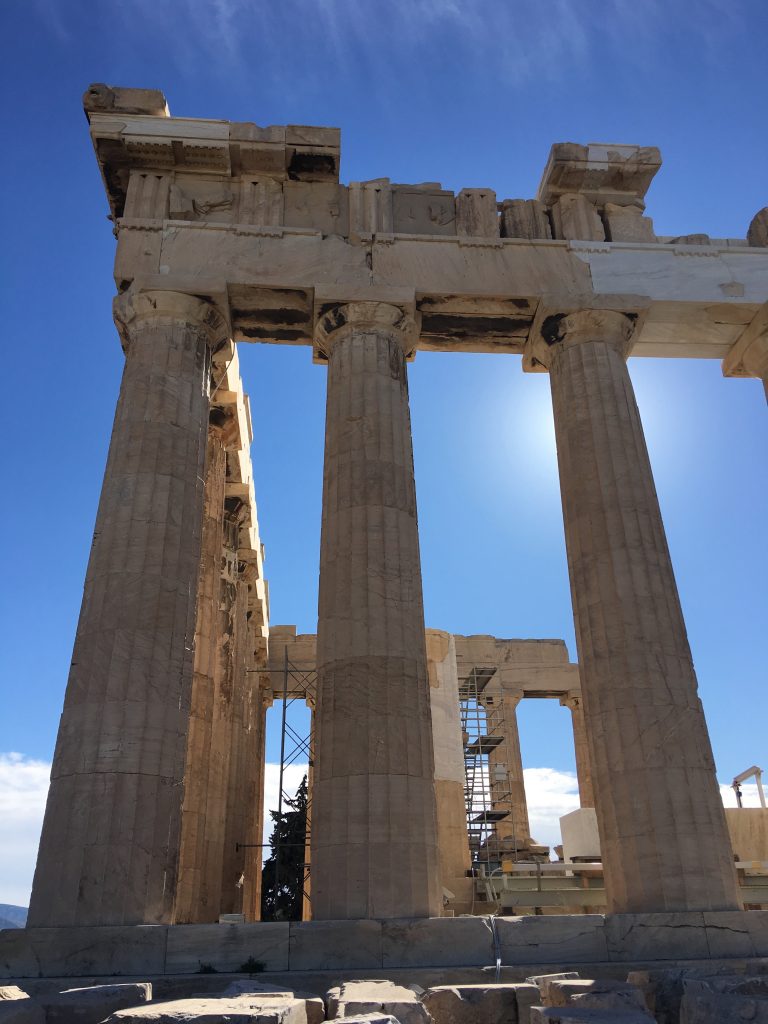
column 253, row 1009
column 552, row 939
column 724, row 1001
column 91, row 1005
column 327, row 945
column 226, row 947
column 439, row 941
column 604, row 994
column 481, row 1004
column 361, row 998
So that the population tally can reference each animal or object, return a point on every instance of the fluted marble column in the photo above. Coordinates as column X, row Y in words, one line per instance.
column 581, row 748
column 506, row 768
column 110, row 843
column 198, row 890
column 374, row 846
column 450, row 780
column 662, row 827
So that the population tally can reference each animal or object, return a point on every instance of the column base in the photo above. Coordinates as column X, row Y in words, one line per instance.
column 458, row 948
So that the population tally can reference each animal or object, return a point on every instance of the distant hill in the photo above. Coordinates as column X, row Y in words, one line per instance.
column 12, row 917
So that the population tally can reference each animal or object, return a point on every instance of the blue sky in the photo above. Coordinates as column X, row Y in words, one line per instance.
column 465, row 92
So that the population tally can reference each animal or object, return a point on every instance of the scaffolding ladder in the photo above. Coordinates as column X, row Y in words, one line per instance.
column 487, row 790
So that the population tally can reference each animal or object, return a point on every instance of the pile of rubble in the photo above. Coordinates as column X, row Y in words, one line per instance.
column 670, row 996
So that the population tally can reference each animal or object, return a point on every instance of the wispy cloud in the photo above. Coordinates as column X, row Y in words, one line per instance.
column 306, row 41
column 23, row 790
column 550, row 795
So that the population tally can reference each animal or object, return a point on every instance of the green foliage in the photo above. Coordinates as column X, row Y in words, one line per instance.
column 282, row 878
column 251, row 966
column 207, row 969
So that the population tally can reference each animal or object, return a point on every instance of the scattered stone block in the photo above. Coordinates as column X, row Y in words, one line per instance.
column 724, row 1001
column 93, row 1004
column 371, row 1018
column 315, row 1006
column 663, row 989
column 584, row 992
column 541, row 981
column 480, row 1004
column 361, row 998
column 244, row 1009
column 528, row 996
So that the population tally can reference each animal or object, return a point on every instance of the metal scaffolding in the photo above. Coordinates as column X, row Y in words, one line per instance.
column 299, row 684
column 487, row 789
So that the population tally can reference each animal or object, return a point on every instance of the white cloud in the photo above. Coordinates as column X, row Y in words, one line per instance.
column 749, row 795
column 519, row 41
column 23, row 789
column 294, row 773
column 550, row 795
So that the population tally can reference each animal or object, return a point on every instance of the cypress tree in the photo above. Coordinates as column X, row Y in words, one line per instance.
column 282, row 877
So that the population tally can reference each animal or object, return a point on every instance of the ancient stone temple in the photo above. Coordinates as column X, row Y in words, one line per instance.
column 227, row 234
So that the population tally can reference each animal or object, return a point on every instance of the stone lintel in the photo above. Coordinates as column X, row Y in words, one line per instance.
column 538, row 681
column 478, row 300
column 601, row 172
column 581, row 317
column 749, row 356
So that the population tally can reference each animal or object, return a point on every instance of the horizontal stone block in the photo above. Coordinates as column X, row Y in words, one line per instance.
column 674, row 936
column 437, row 942
column 552, row 939
column 481, row 1004
column 92, row 1004
column 328, row 945
column 245, row 1009
column 12, row 992
column 82, row 951
column 226, row 947
column 360, row 998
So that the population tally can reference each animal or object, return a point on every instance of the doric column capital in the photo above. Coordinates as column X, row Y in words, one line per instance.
column 749, row 355
column 134, row 310
column 571, row 700
column 511, row 695
column 341, row 320
column 612, row 320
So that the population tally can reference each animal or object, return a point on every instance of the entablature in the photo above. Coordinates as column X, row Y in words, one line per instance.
column 258, row 216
